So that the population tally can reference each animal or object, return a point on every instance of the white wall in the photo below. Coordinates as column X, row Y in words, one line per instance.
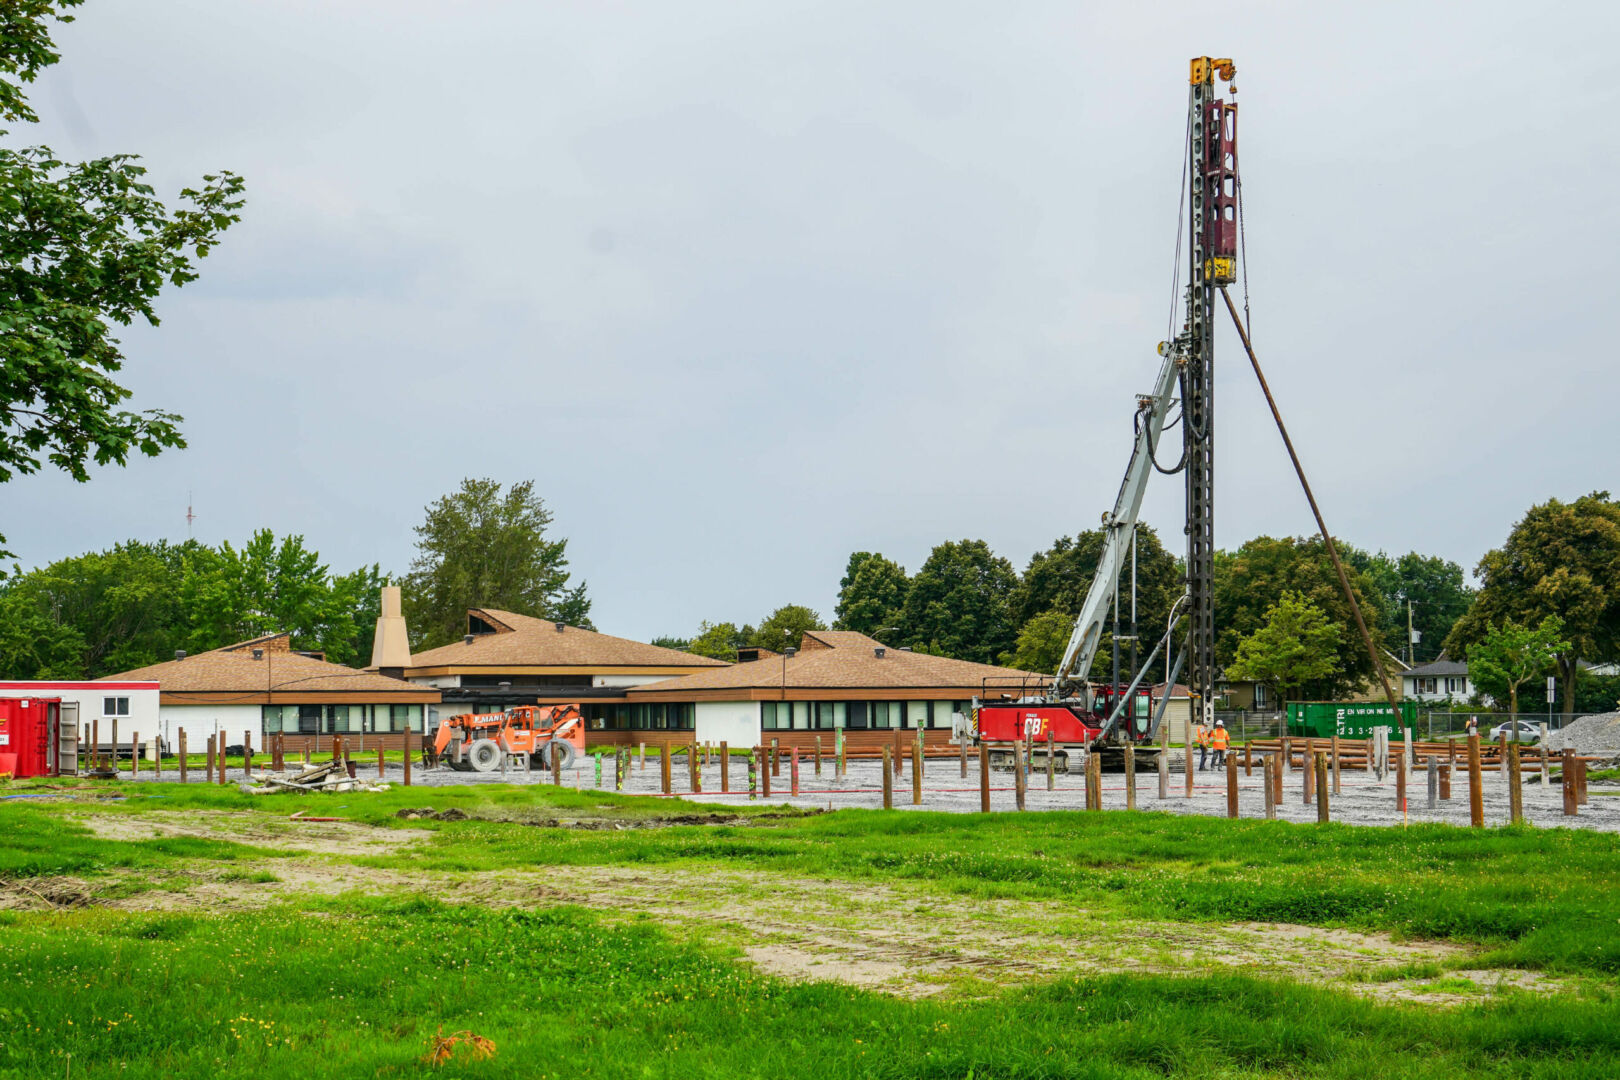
column 1439, row 695
column 733, row 722
column 200, row 721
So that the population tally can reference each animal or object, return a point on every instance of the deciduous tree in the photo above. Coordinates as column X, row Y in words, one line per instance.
column 720, row 641
column 1561, row 559
column 871, row 594
column 960, row 603
column 1434, row 587
column 786, row 626
column 1296, row 646
column 1041, row 642
column 1510, row 655
column 270, row 587
column 1249, row 580
column 82, row 246
column 481, row 546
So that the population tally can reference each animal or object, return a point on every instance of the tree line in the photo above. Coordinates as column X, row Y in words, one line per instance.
column 1549, row 598
column 968, row 602
column 138, row 603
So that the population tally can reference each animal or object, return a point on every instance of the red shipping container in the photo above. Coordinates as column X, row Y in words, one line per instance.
column 27, row 728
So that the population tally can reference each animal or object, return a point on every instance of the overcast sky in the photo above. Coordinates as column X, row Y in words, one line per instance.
column 746, row 287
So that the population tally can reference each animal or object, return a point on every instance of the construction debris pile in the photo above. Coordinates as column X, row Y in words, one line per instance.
column 333, row 776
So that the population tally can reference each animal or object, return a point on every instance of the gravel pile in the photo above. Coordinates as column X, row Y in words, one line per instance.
column 1597, row 734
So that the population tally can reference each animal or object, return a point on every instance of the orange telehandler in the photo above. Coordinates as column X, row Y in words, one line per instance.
column 474, row 742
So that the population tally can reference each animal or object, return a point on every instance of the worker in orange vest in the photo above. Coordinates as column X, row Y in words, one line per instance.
column 1222, row 740
column 1202, row 734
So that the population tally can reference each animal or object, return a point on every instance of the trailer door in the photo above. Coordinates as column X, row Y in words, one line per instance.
column 67, row 739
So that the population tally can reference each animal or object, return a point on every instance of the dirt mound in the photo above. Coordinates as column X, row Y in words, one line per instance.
column 1596, row 734
column 428, row 813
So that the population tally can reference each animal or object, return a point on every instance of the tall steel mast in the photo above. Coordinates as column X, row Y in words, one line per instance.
column 1212, row 215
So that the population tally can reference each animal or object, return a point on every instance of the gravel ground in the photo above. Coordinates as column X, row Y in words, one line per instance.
column 1599, row 734
column 1363, row 800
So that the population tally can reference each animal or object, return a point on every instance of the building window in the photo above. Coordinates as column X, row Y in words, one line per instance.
column 115, row 706
column 661, row 716
column 917, row 714
column 404, row 718
column 829, row 715
column 767, row 715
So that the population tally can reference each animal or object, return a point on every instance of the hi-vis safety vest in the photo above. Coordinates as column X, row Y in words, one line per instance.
column 1203, row 735
column 1222, row 739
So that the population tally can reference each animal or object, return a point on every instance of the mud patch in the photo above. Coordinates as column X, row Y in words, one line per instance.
column 252, row 829
column 46, row 894
column 1463, row 986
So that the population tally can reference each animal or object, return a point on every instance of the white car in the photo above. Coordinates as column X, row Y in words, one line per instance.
column 1527, row 732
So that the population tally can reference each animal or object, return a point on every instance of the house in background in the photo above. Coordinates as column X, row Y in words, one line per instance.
column 1439, row 681
column 264, row 688
column 1244, row 694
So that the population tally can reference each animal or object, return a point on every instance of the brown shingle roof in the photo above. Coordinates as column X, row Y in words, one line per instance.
column 841, row 659
column 523, row 641
column 232, row 670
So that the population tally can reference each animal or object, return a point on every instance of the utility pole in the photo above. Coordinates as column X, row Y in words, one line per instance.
column 1411, row 642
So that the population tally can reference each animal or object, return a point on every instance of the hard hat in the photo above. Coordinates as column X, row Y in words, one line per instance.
column 1220, row 723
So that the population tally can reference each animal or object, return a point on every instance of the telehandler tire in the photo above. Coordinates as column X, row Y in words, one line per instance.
column 483, row 755
column 557, row 746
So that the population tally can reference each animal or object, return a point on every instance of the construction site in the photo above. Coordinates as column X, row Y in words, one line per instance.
column 541, row 850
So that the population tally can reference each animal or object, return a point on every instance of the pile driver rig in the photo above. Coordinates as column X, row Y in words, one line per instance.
column 1071, row 712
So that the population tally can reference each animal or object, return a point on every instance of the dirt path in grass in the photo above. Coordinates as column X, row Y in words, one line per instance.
column 898, row 937
column 247, row 827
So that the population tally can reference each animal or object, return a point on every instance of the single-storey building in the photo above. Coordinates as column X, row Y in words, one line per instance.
column 264, row 688
column 1442, row 680
column 507, row 659
column 98, row 708
column 836, row 680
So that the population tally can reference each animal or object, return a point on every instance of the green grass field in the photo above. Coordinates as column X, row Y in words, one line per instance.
column 198, row 932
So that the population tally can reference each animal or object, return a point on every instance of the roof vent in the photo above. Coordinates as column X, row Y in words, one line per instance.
column 790, row 651
column 879, row 651
column 561, row 627
column 258, row 654
column 179, row 654
column 466, row 639
column 905, row 648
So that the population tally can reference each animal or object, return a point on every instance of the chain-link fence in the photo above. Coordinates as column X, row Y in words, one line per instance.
column 1444, row 724
column 1244, row 724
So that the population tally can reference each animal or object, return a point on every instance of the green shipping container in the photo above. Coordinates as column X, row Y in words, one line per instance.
column 1348, row 720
